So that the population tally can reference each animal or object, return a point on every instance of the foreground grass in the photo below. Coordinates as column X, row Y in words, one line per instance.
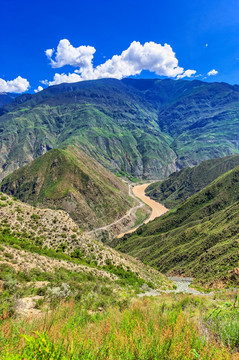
column 168, row 327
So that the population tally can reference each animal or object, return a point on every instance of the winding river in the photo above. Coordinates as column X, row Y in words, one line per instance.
column 157, row 208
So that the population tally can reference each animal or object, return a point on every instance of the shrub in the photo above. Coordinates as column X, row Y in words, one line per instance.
column 35, row 217
column 10, row 284
column 60, row 292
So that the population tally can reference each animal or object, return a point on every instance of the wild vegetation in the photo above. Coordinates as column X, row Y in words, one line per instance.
column 198, row 238
column 169, row 327
column 46, row 234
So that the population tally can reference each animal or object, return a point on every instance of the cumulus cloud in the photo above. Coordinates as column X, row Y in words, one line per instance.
column 18, row 85
column 151, row 56
column 66, row 54
column 212, row 72
column 39, row 88
column 187, row 73
column 156, row 58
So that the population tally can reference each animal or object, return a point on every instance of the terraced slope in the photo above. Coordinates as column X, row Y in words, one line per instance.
column 198, row 238
column 183, row 184
column 69, row 179
column 145, row 128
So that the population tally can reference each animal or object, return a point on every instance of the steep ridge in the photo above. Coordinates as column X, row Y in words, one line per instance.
column 183, row 184
column 198, row 238
column 69, row 179
column 145, row 128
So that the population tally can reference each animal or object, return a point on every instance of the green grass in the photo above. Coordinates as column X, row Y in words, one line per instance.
column 223, row 322
column 164, row 328
column 141, row 215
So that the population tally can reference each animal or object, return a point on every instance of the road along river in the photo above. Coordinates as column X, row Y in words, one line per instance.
column 157, row 208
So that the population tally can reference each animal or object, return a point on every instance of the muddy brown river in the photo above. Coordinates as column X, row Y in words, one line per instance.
column 157, row 208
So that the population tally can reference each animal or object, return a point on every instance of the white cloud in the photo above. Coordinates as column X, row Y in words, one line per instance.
column 44, row 82
column 40, row 88
column 206, row 45
column 212, row 72
column 151, row 56
column 18, row 85
column 156, row 58
column 66, row 54
column 187, row 73
column 63, row 78
column 49, row 53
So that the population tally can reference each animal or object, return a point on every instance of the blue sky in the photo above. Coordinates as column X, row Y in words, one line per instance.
column 201, row 36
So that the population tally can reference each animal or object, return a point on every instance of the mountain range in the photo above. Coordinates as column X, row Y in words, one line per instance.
column 6, row 98
column 142, row 128
column 62, row 148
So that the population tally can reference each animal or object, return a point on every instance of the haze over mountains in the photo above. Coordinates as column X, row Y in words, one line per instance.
column 144, row 128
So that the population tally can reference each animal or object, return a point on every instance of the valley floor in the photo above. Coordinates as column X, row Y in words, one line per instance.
column 157, row 209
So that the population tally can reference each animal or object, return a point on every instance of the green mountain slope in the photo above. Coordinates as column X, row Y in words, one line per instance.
column 69, row 179
column 198, row 238
column 203, row 122
column 183, row 184
column 146, row 128
column 105, row 118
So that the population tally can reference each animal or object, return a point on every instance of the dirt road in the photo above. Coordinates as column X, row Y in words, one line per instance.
column 128, row 214
column 157, row 208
